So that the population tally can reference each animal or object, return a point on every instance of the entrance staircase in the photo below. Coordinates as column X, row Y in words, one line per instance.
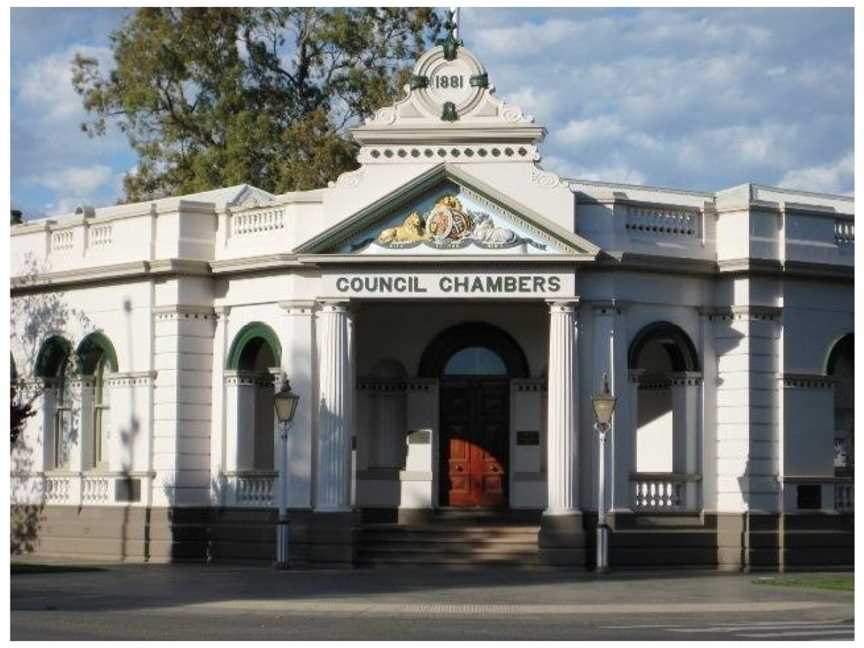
column 465, row 537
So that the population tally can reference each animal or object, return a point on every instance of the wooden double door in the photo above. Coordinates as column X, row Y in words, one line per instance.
column 474, row 421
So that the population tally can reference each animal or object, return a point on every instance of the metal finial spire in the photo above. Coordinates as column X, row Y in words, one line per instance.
column 451, row 43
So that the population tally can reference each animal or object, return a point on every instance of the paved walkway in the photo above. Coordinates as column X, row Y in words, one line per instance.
column 219, row 602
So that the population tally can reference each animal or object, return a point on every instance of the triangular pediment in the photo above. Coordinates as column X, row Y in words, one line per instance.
column 447, row 212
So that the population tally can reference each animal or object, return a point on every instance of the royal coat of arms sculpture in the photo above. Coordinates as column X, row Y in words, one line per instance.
column 448, row 224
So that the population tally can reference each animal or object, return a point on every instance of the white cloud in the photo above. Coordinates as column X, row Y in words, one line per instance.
column 80, row 180
column 46, row 84
column 615, row 171
column 581, row 131
column 834, row 177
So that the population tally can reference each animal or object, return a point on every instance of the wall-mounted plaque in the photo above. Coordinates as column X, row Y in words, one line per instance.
column 527, row 438
column 420, row 437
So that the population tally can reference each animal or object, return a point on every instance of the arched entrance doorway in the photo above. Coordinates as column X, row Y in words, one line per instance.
column 474, row 363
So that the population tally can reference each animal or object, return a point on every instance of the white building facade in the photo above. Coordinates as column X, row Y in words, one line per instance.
column 445, row 313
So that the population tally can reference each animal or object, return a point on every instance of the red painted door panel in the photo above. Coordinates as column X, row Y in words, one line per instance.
column 474, row 434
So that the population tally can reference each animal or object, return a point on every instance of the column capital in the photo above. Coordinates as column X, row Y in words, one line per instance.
column 691, row 378
column 635, row 375
column 298, row 306
column 334, row 304
column 563, row 305
column 278, row 376
column 602, row 306
column 222, row 312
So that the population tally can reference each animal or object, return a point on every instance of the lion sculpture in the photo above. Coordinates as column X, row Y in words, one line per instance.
column 411, row 230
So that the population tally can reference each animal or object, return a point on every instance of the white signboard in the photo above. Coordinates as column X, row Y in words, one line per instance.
column 456, row 284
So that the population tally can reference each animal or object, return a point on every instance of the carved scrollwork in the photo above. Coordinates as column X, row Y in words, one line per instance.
column 544, row 178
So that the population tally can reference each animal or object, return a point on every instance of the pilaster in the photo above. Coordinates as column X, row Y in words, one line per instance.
column 219, row 406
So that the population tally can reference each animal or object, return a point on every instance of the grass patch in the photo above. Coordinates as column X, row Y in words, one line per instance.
column 37, row 568
column 835, row 583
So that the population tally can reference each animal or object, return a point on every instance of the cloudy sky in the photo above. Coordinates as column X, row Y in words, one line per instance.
column 693, row 99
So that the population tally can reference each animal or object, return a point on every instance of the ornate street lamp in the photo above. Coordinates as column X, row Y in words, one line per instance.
column 285, row 403
column 604, row 407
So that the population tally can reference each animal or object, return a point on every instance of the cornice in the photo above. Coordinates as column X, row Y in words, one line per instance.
column 819, row 271
column 627, row 261
column 619, row 198
column 527, row 134
column 255, row 263
column 108, row 273
column 750, row 266
column 315, row 260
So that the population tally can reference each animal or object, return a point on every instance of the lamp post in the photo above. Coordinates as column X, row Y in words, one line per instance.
column 285, row 403
column 604, row 406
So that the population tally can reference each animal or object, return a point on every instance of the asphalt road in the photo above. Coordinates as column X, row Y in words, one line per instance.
column 253, row 603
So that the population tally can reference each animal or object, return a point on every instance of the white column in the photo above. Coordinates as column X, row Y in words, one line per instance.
column 298, row 362
column 563, row 409
column 352, row 410
column 333, row 481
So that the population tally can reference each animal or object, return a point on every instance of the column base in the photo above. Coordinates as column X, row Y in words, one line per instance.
column 331, row 538
column 561, row 540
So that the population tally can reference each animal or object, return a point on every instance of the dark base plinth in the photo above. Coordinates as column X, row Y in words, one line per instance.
column 561, row 540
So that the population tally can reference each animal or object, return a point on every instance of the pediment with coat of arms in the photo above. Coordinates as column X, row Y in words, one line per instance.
column 448, row 219
column 445, row 211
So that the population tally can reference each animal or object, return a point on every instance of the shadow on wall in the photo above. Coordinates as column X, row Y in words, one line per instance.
column 34, row 318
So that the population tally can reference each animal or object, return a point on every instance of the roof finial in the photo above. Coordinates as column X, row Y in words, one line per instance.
column 451, row 43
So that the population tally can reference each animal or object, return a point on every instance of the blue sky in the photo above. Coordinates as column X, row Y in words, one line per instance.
column 692, row 99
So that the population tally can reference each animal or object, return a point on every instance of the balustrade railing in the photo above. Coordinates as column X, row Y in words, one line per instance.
column 96, row 490
column 100, row 235
column 844, row 232
column 844, row 495
column 662, row 491
column 251, row 488
column 57, row 489
column 62, row 240
column 254, row 222
column 655, row 221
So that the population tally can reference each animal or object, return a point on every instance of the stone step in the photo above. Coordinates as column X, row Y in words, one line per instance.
column 448, row 559
column 444, row 543
column 462, row 548
column 449, row 528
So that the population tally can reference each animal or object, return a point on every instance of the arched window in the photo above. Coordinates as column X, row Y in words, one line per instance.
column 664, row 365
column 253, row 354
column 841, row 366
column 52, row 365
column 473, row 347
column 96, row 359
column 475, row 361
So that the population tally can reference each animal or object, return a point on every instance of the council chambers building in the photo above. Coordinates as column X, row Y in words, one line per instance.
column 445, row 313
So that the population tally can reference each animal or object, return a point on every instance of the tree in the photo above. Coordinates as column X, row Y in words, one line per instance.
column 213, row 97
column 19, row 411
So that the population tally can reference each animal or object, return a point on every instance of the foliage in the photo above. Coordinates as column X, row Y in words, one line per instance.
column 19, row 412
column 214, row 97
column 837, row 583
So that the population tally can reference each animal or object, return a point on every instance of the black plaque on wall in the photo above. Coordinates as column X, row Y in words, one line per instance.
column 527, row 438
